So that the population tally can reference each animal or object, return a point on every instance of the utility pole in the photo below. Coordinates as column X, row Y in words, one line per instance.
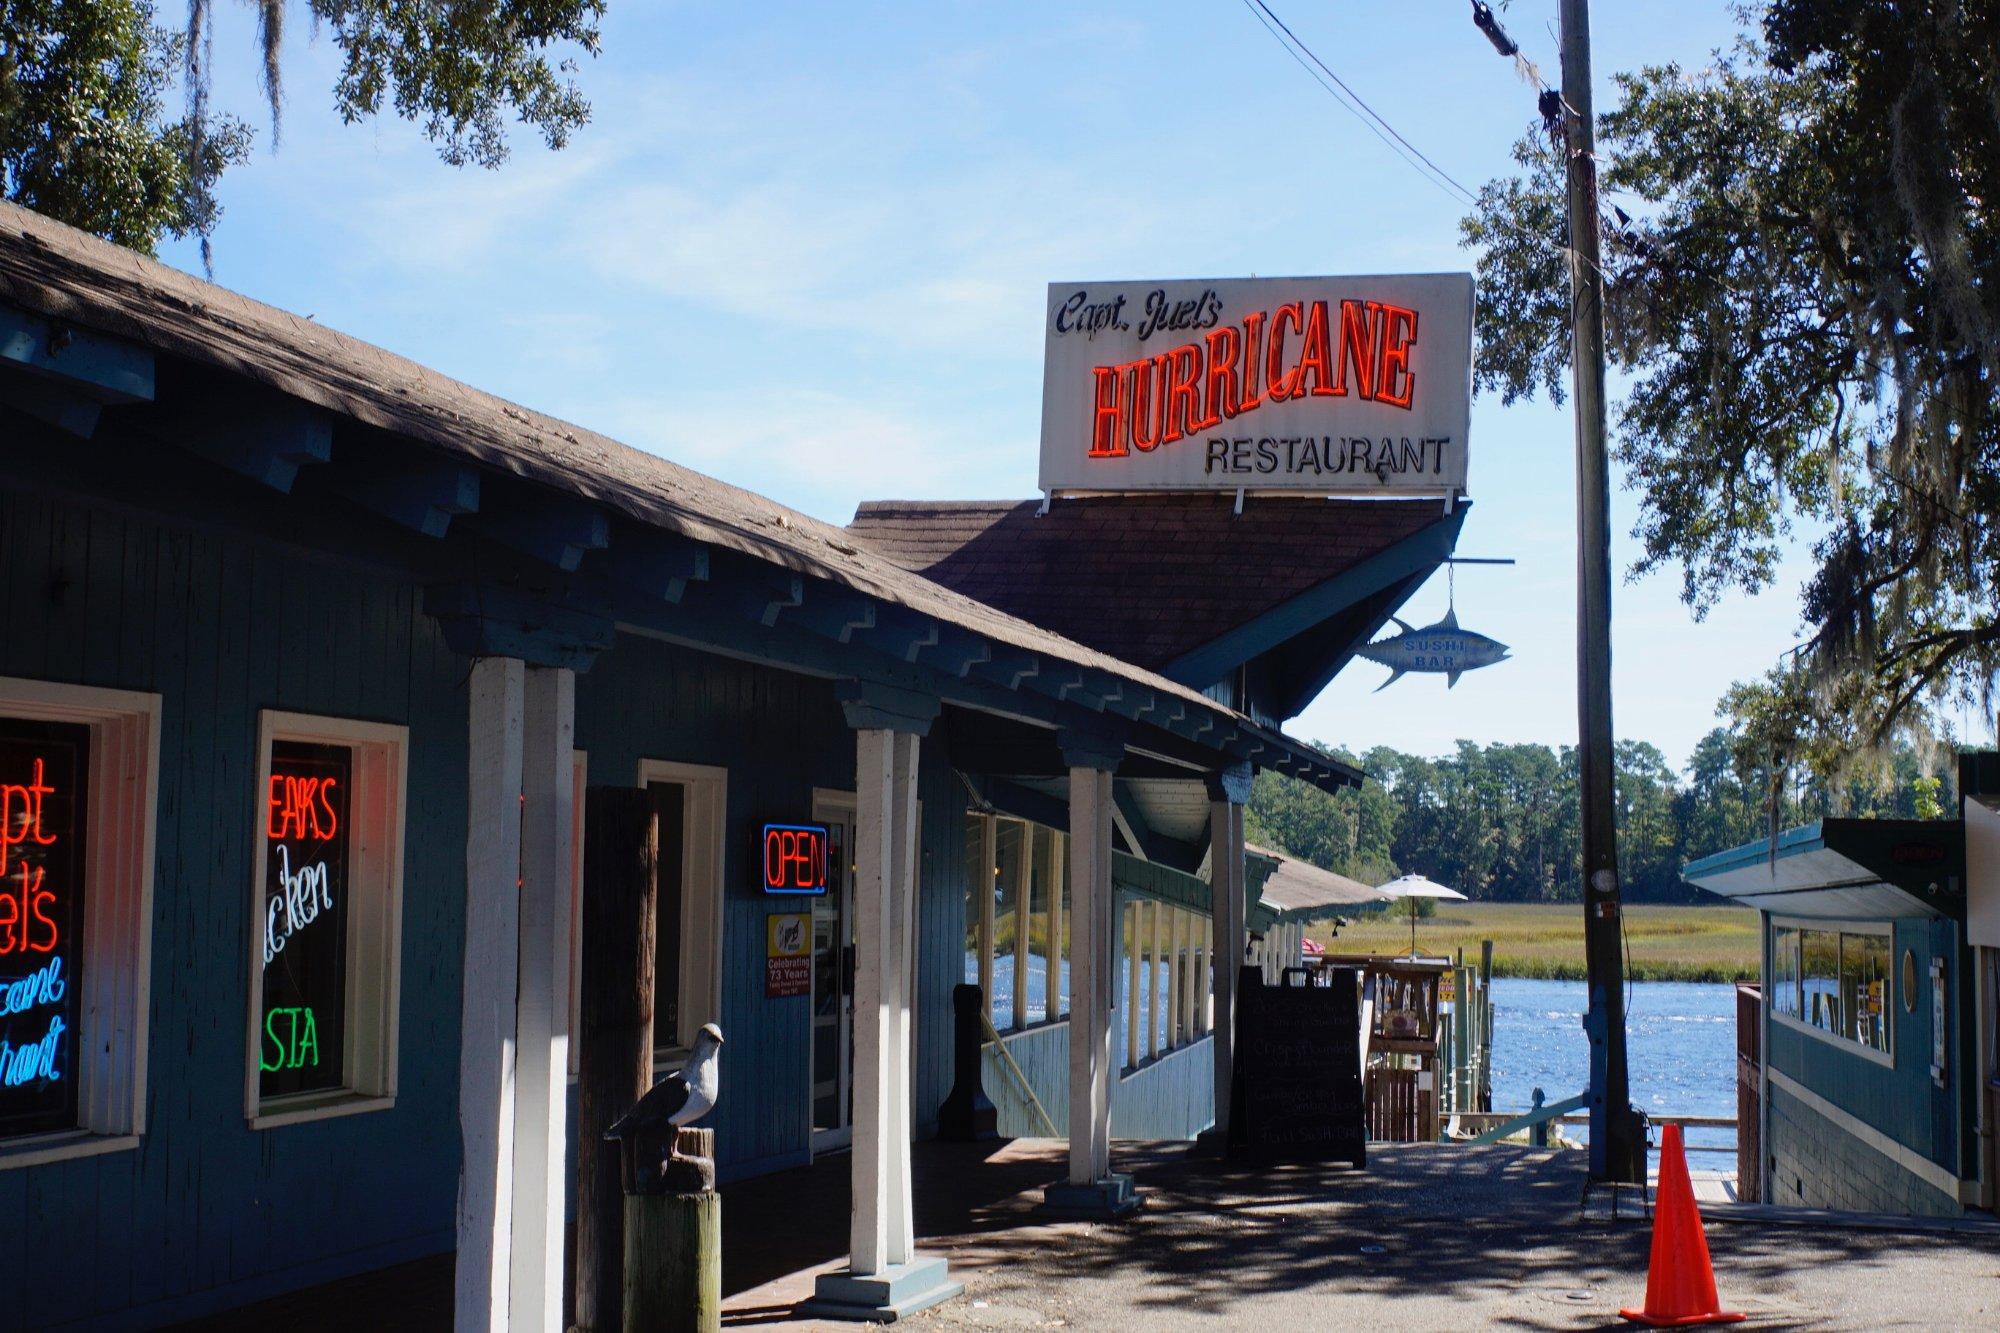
column 1617, row 1150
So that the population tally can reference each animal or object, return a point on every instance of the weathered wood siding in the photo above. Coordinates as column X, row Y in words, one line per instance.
column 780, row 735
column 1901, row 1102
column 206, row 1212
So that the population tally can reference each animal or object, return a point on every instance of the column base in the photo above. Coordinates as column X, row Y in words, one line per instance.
column 882, row 1298
column 1105, row 1199
column 1212, row 1143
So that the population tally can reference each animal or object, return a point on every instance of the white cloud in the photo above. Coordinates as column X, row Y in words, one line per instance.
column 817, row 451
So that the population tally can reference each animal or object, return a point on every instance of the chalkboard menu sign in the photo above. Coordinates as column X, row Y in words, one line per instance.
column 43, row 798
column 306, row 845
column 1298, row 1070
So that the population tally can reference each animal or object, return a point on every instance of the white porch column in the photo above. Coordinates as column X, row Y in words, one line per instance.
column 541, row 1062
column 1227, row 792
column 1091, row 1190
column 486, row 1064
column 514, row 1015
column 884, row 1278
column 1090, row 975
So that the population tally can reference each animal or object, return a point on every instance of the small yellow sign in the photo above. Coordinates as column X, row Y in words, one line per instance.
column 787, row 955
column 1448, row 988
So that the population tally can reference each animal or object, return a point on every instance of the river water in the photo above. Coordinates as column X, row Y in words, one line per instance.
column 1680, row 1042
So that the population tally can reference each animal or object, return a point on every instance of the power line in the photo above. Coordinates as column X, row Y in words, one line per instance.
column 1354, row 103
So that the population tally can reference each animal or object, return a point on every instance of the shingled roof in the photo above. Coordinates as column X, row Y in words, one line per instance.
column 1146, row 578
column 81, row 281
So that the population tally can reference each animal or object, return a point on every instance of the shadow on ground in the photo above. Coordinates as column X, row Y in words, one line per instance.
column 1492, row 1236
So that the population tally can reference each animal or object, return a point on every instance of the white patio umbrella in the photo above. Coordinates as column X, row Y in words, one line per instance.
column 1414, row 887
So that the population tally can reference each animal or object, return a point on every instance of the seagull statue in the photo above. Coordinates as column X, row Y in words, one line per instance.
column 681, row 1097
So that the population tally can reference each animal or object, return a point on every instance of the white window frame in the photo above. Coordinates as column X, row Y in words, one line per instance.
column 1891, row 982
column 374, row 918
column 110, row 1050
column 703, row 864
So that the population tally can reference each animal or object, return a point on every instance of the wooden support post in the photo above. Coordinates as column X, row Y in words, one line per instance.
column 989, row 873
column 1052, row 871
column 541, row 1101
column 1227, row 793
column 487, row 1016
column 882, row 1233
column 1024, row 926
column 1155, row 955
column 885, row 1279
column 1485, row 1093
column 673, row 1238
column 1091, row 1190
column 615, row 1031
column 1132, row 921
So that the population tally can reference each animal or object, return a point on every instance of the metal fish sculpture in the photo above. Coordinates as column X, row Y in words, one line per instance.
column 1440, row 647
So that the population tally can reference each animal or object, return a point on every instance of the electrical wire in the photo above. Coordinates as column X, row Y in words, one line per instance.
column 1355, row 104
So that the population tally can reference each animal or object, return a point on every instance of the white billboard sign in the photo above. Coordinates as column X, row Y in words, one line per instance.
column 1336, row 386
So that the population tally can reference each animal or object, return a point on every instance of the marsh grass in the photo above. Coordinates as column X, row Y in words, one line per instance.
column 1545, row 940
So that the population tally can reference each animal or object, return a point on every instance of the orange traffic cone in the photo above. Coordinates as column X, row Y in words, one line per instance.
column 1680, row 1283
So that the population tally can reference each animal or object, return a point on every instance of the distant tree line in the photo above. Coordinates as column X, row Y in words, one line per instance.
column 1499, row 822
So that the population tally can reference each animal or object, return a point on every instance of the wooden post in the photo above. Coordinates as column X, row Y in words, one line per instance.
column 484, row 1259
column 541, row 1068
column 1130, row 920
column 989, row 873
column 1228, row 791
column 614, row 1029
column 1485, row 1093
column 1155, row 955
column 1096, row 955
column 1024, row 867
column 1052, row 872
column 673, row 1237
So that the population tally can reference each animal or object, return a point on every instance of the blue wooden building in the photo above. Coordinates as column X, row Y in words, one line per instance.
column 1872, row 1068
column 310, row 655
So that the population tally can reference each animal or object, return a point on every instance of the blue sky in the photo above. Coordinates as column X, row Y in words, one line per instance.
column 803, row 247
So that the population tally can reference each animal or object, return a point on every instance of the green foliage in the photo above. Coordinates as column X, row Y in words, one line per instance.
column 84, row 134
column 1500, row 822
column 1350, row 833
column 1806, row 306
column 459, row 69
column 85, row 137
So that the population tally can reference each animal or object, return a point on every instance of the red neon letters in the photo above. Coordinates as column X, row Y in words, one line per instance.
column 21, row 815
column 25, row 923
column 301, row 807
column 1279, row 355
column 794, row 859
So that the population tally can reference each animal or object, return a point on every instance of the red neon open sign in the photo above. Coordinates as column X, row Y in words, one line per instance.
column 795, row 858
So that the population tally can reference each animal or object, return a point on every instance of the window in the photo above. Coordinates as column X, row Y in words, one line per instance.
column 1819, row 973
column 691, row 801
column 1785, row 971
column 1834, row 981
column 78, row 773
column 327, row 907
column 1864, row 989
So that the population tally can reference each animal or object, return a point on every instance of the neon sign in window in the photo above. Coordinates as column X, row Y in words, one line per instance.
column 43, row 776
column 794, row 858
column 306, row 844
